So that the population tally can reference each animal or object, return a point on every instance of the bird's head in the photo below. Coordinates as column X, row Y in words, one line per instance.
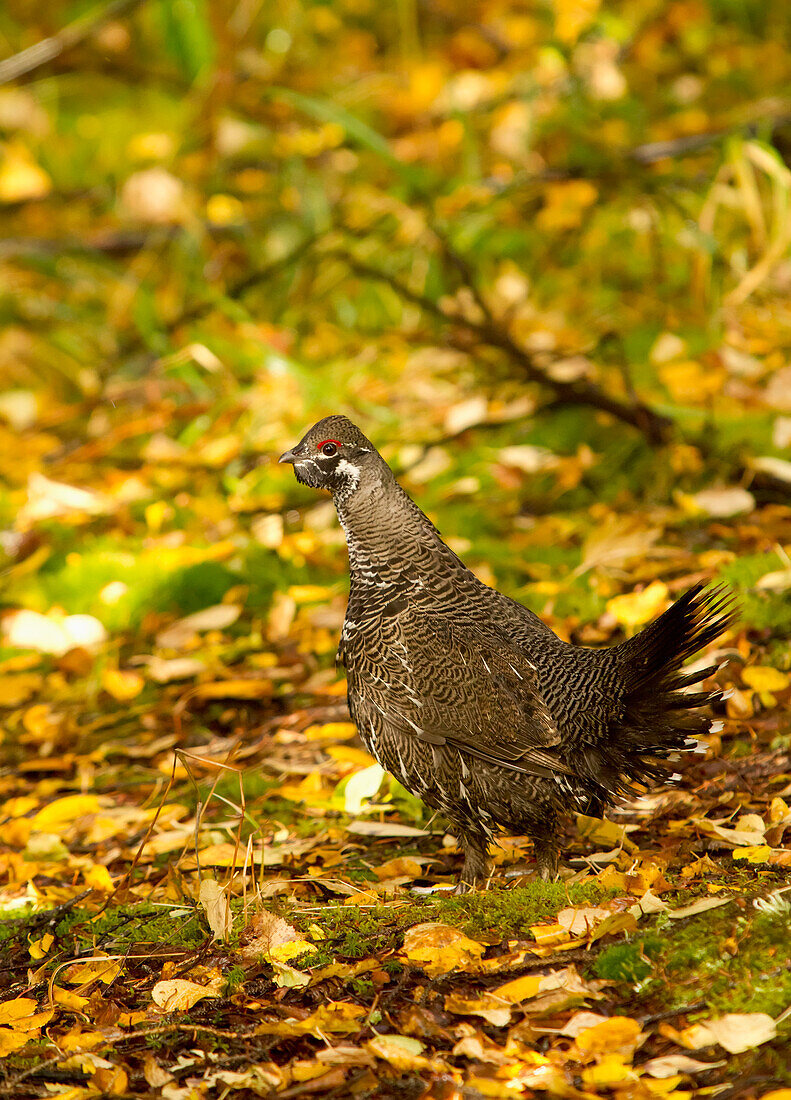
column 333, row 454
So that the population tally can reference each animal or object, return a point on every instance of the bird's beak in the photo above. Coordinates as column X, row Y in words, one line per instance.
column 288, row 456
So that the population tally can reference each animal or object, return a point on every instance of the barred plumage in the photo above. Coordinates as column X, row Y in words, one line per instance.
column 468, row 698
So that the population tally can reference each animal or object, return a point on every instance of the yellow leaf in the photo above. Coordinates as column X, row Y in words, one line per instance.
column 779, row 810
column 336, row 1016
column 21, row 179
column 233, row 689
column 66, row 999
column 549, row 933
column 348, row 754
column 179, row 995
column 76, row 1039
column 98, row 878
column 689, row 381
column 309, row 593
column 311, row 788
column 611, row 1071
column 440, row 948
column 38, row 949
column 565, row 205
column 18, row 689
column 121, row 684
column 637, row 608
column 572, row 17
column 13, row 1011
column 400, row 867
column 753, row 853
column 224, row 210
column 763, row 678
column 617, row 1035
column 99, row 969
column 65, row 811
column 331, row 731
column 521, row 988
column 401, row 1051
column 13, row 1040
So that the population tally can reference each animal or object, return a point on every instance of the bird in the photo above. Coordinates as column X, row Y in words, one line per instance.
column 469, row 699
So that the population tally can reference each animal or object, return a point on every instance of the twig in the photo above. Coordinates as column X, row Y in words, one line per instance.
column 34, row 57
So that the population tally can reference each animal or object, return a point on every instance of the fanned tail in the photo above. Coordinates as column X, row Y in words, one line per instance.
column 659, row 716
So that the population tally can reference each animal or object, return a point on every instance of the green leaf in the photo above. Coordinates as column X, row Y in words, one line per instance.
column 187, row 35
column 355, row 129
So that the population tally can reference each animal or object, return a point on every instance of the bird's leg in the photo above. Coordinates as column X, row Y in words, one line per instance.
column 476, row 863
column 545, row 848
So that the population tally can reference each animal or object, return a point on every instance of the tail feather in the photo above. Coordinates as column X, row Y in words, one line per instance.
column 658, row 715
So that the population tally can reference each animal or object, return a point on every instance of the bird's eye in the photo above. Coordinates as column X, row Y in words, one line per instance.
column 329, row 449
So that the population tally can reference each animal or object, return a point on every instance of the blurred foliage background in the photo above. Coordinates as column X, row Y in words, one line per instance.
column 539, row 250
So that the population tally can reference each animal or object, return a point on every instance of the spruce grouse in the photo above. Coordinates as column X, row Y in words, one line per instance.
column 468, row 698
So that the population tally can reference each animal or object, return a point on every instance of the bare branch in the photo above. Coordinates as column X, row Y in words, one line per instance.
column 494, row 333
column 34, row 57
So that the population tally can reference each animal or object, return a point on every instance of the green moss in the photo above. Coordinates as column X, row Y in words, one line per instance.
column 195, row 587
column 128, row 924
column 628, row 962
column 512, row 912
column 736, row 961
column 761, row 610
column 353, row 933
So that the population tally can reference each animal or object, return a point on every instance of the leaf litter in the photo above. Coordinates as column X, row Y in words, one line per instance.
column 208, row 888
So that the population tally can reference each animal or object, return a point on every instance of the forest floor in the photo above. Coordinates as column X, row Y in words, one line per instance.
column 209, row 885
column 540, row 252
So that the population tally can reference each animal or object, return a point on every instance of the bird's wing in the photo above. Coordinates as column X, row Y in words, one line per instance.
column 455, row 682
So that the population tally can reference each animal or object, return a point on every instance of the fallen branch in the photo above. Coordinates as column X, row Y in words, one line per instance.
column 493, row 333
column 34, row 57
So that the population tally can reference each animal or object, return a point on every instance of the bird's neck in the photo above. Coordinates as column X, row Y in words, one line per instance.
column 385, row 531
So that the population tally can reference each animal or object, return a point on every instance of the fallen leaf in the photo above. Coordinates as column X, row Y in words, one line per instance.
column 270, row 937
column 735, row 1032
column 720, row 502
column 14, row 1011
column 217, row 617
column 122, row 685
column 616, row 1035
column 637, row 608
column 179, row 995
column 53, row 633
column 11, row 1041
column 361, row 787
column 65, row 811
column 165, row 671
column 671, row 1064
column 401, row 1051
column 579, row 922
column 702, row 905
column 215, row 904
column 21, row 178
column 288, row 977
column 466, row 413
column 99, row 968
column 440, row 949
column 384, row 828
column 581, row 1021
column 764, row 678
column 779, row 468
column 337, row 1017
column 233, row 689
